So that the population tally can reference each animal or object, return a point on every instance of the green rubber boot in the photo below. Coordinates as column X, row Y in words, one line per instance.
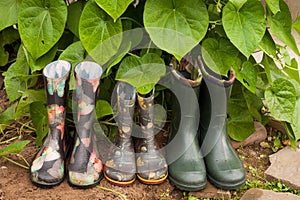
column 186, row 164
column 223, row 166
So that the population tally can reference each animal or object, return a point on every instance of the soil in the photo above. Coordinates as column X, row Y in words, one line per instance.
column 15, row 183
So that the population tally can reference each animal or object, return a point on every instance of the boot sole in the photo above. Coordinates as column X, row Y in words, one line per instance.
column 152, row 181
column 119, row 183
column 226, row 186
column 86, row 186
column 185, row 187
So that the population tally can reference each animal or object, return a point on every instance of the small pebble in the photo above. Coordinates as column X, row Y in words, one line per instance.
column 269, row 138
column 264, row 145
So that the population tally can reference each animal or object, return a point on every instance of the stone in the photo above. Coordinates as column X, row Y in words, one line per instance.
column 258, row 136
column 285, row 167
column 212, row 192
column 260, row 194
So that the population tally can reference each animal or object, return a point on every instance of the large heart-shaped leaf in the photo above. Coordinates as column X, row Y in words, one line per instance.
column 9, row 10
column 38, row 113
column 114, row 8
column 142, row 73
column 219, row 55
column 99, row 34
column 296, row 25
column 247, row 75
column 41, row 24
column 176, row 26
column 281, row 26
column 245, row 26
column 267, row 45
column 281, row 99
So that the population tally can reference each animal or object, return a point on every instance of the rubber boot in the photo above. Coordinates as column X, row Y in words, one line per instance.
column 224, row 168
column 151, row 164
column 85, row 167
column 48, row 166
column 120, row 167
column 186, row 164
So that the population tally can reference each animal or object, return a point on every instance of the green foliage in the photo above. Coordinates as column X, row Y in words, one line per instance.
column 34, row 33
column 14, row 148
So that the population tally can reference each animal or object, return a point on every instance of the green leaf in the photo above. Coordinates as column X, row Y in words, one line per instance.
column 99, row 34
column 103, row 108
column 281, row 99
column 267, row 45
column 292, row 70
column 239, row 115
column 14, row 148
column 245, row 27
column 74, row 13
column 28, row 97
column 8, row 36
column 9, row 10
column 296, row 120
column 114, row 8
column 281, row 26
column 7, row 116
column 273, row 5
column 247, row 76
column 74, row 54
column 4, row 55
column 39, row 116
column 296, row 25
column 41, row 62
column 219, row 55
column 254, row 104
column 271, row 69
column 176, row 26
column 238, row 3
column 41, row 24
column 142, row 73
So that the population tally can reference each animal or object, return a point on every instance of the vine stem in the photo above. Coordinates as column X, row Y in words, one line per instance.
column 16, row 163
column 122, row 196
column 138, row 23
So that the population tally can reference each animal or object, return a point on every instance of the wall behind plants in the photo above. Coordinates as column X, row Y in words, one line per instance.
column 228, row 32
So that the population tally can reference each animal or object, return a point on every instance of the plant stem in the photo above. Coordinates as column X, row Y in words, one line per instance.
column 138, row 23
column 14, row 162
column 122, row 196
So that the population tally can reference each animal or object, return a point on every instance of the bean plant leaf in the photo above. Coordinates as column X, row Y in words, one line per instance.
column 296, row 120
column 281, row 26
column 219, row 55
column 3, row 56
column 239, row 115
column 267, row 45
column 14, row 148
column 99, row 34
column 41, row 62
column 281, row 99
column 296, row 25
column 74, row 54
column 245, row 27
column 41, row 24
column 142, row 73
column 28, row 97
column 238, row 3
column 103, row 108
column 176, row 26
column 74, row 13
column 292, row 70
column 8, row 36
column 273, row 5
column 9, row 10
column 7, row 116
column 247, row 76
column 114, row 8
column 39, row 116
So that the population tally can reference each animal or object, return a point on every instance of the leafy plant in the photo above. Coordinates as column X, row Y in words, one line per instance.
column 228, row 32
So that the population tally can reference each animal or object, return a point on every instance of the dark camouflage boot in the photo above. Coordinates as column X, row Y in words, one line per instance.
column 85, row 168
column 151, row 165
column 48, row 166
column 120, row 165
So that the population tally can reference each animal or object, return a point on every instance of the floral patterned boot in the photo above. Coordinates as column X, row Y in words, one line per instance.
column 85, row 167
column 48, row 166
column 120, row 165
column 151, row 165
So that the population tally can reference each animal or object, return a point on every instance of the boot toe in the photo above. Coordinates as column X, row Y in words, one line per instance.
column 117, row 177
column 188, row 180
column 228, row 179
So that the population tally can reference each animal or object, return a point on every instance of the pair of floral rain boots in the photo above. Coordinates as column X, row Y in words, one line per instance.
column 139, row 157
column 85, row 166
